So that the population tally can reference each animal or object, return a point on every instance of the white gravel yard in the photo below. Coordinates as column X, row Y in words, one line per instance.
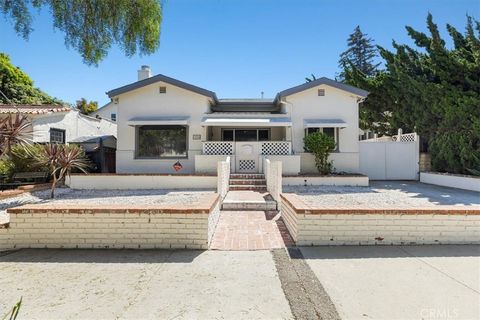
column 385, row 194
column 111, row 197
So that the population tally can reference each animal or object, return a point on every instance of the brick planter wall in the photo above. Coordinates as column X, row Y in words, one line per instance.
column 324, row 226
column 60, row 226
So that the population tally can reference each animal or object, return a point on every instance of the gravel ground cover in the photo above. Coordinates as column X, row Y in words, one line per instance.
column 385, row 194
column 104, row 197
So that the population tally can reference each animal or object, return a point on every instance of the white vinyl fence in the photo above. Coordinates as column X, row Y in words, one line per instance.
column 391, row 158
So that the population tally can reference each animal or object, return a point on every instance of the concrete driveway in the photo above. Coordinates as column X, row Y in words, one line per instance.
column 136, row 284
column 383, row 282
column 408, row 282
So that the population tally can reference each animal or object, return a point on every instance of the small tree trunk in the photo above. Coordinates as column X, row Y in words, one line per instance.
column 54, row 184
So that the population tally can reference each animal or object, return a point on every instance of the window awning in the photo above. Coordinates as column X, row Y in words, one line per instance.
column 324, row 123
column 247, row 122
column 173, row 120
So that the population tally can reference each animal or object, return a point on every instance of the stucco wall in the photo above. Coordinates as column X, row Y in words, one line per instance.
column 74, row 124
column 147, row 102
column 106, row 111
column 336, row 104
column 451, row 180
column 119, row 181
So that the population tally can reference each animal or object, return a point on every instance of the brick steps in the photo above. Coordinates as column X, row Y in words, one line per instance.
column 248, row 181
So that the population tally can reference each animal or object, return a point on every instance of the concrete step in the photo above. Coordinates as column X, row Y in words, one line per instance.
column 247, row 181
column 255, row 187
column 247, row 200
column 247, row 176
column 249, row 206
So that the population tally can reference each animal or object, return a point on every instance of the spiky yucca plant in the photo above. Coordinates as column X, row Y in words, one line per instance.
column 61, row 160
column 14, row 129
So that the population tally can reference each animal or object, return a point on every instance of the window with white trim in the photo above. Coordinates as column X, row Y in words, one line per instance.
column 331, row 132
column 57, row 136
column 154, row 142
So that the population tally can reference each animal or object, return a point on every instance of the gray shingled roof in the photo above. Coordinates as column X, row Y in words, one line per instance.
column 163, row 78
column 237, row 102
column 320, row 81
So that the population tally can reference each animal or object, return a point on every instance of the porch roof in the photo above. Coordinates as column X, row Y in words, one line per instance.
column 247, row 122
column 324, row 123
column 170, row 120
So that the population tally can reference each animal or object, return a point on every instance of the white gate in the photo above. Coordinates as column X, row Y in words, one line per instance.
column 392, row 158
column 246, row 157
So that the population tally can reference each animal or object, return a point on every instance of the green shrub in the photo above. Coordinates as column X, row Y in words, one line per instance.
column 22, row 159
column 321, row 146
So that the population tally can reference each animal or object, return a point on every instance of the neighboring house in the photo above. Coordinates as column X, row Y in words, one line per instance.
column 108, row 111
column 60, row 124
column 162, row 120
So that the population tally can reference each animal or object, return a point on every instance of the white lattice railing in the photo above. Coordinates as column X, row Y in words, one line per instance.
column 270, row 148
column 266, row 148
column 218, row 148
column 409, row 137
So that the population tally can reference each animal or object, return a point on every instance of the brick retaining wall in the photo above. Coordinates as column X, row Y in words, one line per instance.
column 356, row 226
column 147, row 227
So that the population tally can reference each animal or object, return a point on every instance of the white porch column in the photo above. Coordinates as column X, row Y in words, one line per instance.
column 288, row 136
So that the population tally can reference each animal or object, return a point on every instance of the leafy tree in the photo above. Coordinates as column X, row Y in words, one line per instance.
column 92, row 26
column 86, row 107
column 361, row 54
column 433, row 90
column 16, row 86
column 321, row 146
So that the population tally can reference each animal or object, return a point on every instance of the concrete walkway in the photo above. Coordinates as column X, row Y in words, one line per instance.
column 408, row 282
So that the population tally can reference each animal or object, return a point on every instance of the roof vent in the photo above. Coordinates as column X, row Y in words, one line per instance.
column 144, row 73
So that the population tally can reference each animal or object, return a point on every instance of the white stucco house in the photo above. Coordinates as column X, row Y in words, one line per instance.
column 162, row 121
column 108, row 111
column 60, row 124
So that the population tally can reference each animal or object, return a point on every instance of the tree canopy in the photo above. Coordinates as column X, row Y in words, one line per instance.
column 86, row 107
column 430, row 89
column 92, row 26
column 17, row 86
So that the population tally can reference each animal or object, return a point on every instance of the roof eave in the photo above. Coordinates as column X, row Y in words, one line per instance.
column 162, row 78
column 325, row 81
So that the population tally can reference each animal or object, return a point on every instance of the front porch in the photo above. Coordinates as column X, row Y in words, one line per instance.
column 246, row 156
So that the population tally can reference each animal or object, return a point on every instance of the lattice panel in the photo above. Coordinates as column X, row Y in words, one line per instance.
column 218, row 148
column 409, row 137
column 246, row 165
column 275, row 148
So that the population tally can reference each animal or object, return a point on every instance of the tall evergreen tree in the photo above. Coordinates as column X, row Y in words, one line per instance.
column 433, row 90
column 361, row 53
